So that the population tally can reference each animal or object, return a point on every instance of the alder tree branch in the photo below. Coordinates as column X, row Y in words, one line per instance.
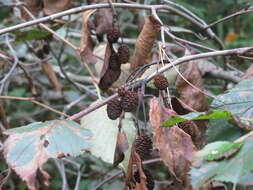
column 236, row 51
column 57, row 36
column 188, row 17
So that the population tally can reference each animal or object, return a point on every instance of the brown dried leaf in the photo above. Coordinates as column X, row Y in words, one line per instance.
column 189, row 95
column 49, row 72
column 137, row 161
column 34, row 6
column 42, row 179
column 121, row 147
column 86, row 43
column 175, row 146
column 248, row 74
column 51, row 7
column 3, row 117
column 108, row 52
column 103, row 22
column 145, row 42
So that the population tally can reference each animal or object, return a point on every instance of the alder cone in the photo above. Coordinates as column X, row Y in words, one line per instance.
column 113, row 35
column 124, row 54
column 150, row 184
column 129, row 101
column 114, row 109
column 121, row 91
column 143, row 146
column 160, row 82
column 108, row 79
column 114, row 63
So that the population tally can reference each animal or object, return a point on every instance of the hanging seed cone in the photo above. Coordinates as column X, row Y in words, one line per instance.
column 150, row 184
column 124, row 54
column 114, row 63
column 113, row 35
column 160, row 82
column 129, row 101
column 143, row 146
column 108, row 79
column 114, row 109
column 121, row 91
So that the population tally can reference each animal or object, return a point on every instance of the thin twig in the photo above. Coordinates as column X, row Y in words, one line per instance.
column 241, row 12
column 8, row 75
column 236, row 51
column 61, row 167
column 57, row 36
column 187, row 42
column 116, row 174
column 116, row 5
column 32, row 99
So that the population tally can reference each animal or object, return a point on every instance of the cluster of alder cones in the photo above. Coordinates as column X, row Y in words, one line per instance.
column 116, row 59
column 128, row 102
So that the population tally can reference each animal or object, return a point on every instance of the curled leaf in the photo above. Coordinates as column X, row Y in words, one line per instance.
column 192, row 97
column 51, row 7
column 103, row 22
column 175, row 146
column 145, row 42
column 121, row 147
column 86, row 44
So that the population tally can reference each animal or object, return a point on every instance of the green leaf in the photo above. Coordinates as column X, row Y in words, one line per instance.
column 27, row 148
column 105, row 133
column 239, row 100
column 222, row 130
column 33, row 34
column 216, row 150
column 215, row 114
column 229, row 170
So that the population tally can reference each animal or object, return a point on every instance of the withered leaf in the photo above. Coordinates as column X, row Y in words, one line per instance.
column 121, row 147
column 145, row 42
column 3, row 116
column 49, row 72
column 51, row 7
column 86, row 43
column 189, row 95
column 175, row 146
column 103, row 22
column 34, row 6
column 42, row 179
column 108, row 52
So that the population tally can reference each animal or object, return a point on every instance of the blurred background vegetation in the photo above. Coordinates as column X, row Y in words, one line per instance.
column 236, row 32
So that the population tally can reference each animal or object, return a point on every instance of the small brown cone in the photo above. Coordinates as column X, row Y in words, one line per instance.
column 124, row 54
column 160, row 82
column 114, row 109
column 129, row 101
column 143, row 146
column 113, row 34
